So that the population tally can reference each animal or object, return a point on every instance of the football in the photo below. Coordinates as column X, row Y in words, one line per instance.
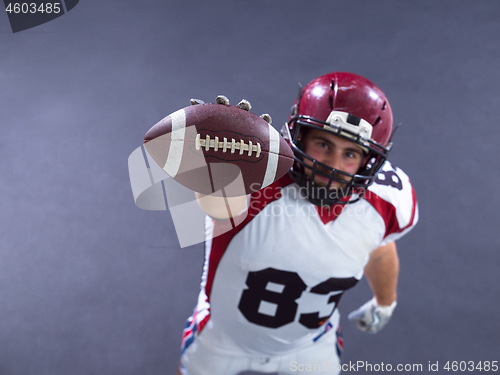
column 219, row 147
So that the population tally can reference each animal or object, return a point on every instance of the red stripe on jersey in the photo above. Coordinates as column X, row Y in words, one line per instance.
column 329, row 213
column 202, row 323
column 188, row 331
column 340, row 339
column 219, row 246
column 258, row 201
column 388, row 212
column 340, row 343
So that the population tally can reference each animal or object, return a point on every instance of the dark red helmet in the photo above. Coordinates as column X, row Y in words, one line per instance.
column 351, row 107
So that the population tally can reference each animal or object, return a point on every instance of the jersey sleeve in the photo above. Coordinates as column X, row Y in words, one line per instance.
column 394, row 198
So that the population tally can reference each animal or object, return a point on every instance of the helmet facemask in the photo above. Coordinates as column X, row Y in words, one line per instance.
column 303, row 173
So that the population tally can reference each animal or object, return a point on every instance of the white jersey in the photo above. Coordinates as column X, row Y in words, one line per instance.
column 272, row 284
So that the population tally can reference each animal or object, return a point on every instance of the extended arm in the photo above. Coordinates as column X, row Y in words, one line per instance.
column 381, row 271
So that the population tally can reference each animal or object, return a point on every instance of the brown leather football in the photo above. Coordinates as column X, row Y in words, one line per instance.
column 210, row 147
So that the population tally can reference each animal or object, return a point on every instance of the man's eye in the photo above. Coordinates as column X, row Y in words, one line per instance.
column 352, row 155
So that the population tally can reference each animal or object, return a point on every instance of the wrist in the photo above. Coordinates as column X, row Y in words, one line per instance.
column 386, row 309
column 385, row 300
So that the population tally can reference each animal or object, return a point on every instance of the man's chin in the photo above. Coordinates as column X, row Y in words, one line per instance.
column 320, row 193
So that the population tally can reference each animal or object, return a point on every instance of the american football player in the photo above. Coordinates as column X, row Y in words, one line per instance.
column 271, row 286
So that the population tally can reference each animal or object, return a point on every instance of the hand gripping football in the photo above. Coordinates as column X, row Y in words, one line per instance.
column 210, row 147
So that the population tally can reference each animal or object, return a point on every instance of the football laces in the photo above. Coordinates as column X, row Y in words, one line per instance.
column 224, row 145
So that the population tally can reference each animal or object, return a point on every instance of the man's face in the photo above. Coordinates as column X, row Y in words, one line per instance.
column 334, row 151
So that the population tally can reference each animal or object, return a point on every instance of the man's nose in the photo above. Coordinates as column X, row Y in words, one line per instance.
column 334, row 160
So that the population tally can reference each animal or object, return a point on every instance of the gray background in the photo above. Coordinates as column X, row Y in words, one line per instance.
column 90, row 284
